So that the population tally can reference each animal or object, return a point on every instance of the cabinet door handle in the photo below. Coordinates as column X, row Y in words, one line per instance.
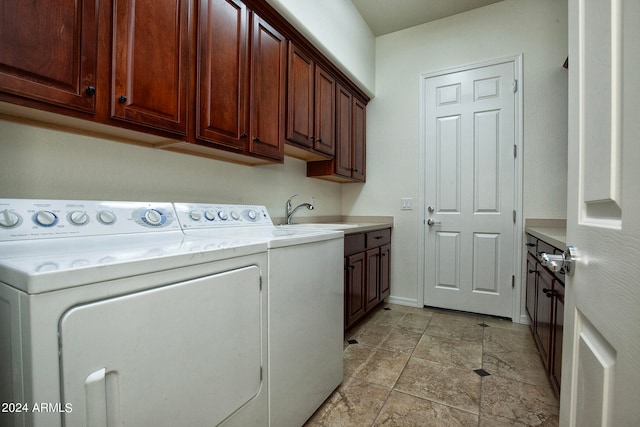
column 122, row 99
column 90, row 90
column 256, row 139
column 244, row 136
column 320, row 141
column 532, row 271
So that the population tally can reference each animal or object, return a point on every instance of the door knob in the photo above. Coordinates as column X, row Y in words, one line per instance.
column 566, row 260
column 431, row 222
column 430, row 209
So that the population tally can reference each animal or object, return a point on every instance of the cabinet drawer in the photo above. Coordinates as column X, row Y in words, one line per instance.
column 378, row 238
column 353, row 243
column 545, row 247
column 532, row 245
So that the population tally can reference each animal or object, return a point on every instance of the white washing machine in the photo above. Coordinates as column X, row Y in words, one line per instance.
column 111, row 316
column 305, row 304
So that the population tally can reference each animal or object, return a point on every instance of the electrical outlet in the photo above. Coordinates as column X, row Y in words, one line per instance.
column 406, row 204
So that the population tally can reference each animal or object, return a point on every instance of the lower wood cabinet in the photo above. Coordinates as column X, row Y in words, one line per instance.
column 545, row 308
column 367, row 272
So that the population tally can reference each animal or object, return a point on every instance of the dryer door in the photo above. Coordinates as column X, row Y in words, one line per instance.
column 183, row 354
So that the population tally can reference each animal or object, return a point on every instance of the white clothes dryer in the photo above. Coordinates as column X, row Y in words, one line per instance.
column 111, row 316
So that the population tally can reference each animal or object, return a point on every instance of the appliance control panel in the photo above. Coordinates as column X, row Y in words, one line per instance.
column 207, row 215
column 23, row 219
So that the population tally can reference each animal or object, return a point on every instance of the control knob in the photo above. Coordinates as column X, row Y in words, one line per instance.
column 235, row 216
column 9, row 219
column 195, row 215
column 106, row 217
column 209, row 215
column 153, row 217
column 45, row 218
column 252, row 215
column 223, row 215
column 78, row 218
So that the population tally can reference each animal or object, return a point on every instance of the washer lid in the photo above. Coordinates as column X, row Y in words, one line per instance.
column 43, row 266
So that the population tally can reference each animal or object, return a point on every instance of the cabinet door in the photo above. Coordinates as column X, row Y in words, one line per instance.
column 325, row 112
column 530, row 295
column 372, row 284
column 558, row 326
column 151, row 63
column 49, row 51
column 359, row 138
column 300, row 94
column 344, row 105
column 354, row 287
column 267, row 90
column 223, row 74
column 385, row 272
column 544, row 314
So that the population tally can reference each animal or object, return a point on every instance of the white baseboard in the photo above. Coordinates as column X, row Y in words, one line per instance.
column 411, row 302
column 524, row 319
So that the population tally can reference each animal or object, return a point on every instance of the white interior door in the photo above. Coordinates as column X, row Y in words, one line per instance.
column 601, row 347
column 470, row 189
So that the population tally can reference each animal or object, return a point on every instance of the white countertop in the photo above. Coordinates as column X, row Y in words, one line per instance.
column 347, row 224
column 554, row 231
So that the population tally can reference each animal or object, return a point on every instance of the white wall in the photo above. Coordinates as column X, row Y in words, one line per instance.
column 538, row 30
column 42, row 163
column 336, row 28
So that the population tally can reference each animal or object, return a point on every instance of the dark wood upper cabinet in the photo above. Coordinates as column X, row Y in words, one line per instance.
column 359, row 139
column 325, row 112
column 267, row 90
column 48, row 51
column 310, row 104
column 300, row 103
column 151, row 63
column 348, row 164
column 241, row 80
column 344, row 132
column 222, row 115
column 206, row 77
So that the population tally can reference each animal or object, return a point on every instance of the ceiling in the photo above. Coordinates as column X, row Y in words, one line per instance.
column 387, row 16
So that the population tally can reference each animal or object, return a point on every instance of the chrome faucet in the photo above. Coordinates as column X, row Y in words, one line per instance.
column 290, row 211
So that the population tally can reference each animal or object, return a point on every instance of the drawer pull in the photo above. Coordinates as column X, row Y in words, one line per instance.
column 530, row 244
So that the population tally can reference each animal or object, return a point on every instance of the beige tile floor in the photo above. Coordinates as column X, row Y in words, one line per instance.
column 416, row 367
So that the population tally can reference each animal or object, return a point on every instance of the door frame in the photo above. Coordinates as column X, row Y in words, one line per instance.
column 517, row 314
